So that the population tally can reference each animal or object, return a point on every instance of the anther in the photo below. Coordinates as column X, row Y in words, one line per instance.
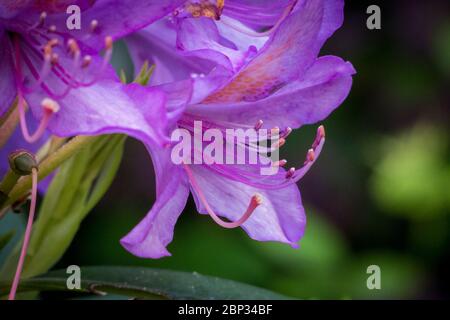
column 220, row 4
column 50, row 105
column 53, row 42
column 94, row 25
column 73, row 46
column 41, row 22
column 290, row 173
column 278, row 144
column 280, row 163
column 259, row 125
column 86, row 61
column 47, row 52
column 321, row 131
column 42, row 17
column 54, row 59
column 310, row 156
column 52, row 28
column 320, row 135
column 108, row 43
column 275, row 130
column 287, row 132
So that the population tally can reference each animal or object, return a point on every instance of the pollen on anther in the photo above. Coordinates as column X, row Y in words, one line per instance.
column 280, row 163
column 287, row 132
column 86, row 61
column 108, row 43
column 50, row 105
column 321, row 131
column 259, row 125
column 73, row 46
column 281, row 142
column 94, row 25
column 290, row 173
column 54, row 59
column 43, row 16
column 257, row 198
column 310, row 156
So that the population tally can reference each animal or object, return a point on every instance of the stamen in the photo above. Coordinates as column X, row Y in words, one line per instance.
column 73, row 47
column 49, row 60
column 290, row 173
column 310, row 156
column 281, row 142
column 40, row 22
column 259, row 125
column 108, row 43
column 220, row 4
column 205, row 9
column 287, row 132
column 52, row 28
column 320, row 135
column 42, row 18
column 94, row 25
column 106, row 59
column 49, row 107
column 280, row 163
column 255, row 201
column 86, row 61
column 26, row 239
column 55, row 59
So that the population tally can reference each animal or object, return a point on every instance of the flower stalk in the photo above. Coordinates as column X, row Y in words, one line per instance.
column 22, row 186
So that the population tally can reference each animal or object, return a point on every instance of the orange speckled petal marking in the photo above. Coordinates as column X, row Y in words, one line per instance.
column 293, row 47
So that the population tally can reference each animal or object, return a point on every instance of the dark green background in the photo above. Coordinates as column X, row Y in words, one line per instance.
column 378, row 195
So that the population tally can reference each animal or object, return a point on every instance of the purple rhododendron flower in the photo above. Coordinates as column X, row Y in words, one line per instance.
column 59, row 74
column 279, row 80
column 200, row 35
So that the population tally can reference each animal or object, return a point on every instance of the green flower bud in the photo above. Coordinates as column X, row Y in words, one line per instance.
column 22, row 162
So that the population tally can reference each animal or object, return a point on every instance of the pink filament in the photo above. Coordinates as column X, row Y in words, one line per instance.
column 26, row 239
column 31, row 138
column 254, row 203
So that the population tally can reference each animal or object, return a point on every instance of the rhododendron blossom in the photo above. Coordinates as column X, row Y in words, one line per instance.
column 248, row 79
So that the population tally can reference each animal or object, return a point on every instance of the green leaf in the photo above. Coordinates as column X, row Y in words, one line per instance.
column 147, row 283
column 5, row 238
column 410, row 179
column 321, row 249
column 75, row 190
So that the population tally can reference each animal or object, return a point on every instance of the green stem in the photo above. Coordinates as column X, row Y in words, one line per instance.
column 8, row 124
column 48, row 165
column 8, row 182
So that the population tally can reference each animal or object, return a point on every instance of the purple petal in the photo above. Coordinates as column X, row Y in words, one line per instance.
column 333, row 17
column 311, row 99
column 256, row 13
column 280, row 217
column 289, row 52
column 157, row 45
column 199, row 37
column 151, row 236
column 116, row 18
column 109, row 107
column 7, row 80
column 10, row 8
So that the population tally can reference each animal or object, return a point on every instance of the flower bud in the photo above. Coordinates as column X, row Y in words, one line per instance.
column 22, row 162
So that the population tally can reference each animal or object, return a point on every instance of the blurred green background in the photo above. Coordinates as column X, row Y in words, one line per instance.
column 380, row 193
